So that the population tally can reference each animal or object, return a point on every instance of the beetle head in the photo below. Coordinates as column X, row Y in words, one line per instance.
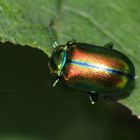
column 57, row 60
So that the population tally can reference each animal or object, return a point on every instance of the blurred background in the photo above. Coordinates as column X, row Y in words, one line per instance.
column 30, row 109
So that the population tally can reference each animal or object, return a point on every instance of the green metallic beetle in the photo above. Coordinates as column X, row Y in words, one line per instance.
column 91, row 68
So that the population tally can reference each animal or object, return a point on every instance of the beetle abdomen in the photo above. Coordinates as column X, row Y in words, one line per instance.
column 99, row 69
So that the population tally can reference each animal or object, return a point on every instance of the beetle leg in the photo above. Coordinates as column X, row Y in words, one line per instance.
column 56, row 81
column 93, row 97
column 70, row 42
column 52, row 34
column 109, row 45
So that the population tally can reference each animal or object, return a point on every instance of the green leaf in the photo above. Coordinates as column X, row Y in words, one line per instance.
column 25, row 22
column 93, row 21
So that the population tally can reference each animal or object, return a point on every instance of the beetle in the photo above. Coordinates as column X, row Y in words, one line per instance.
column 91, row 68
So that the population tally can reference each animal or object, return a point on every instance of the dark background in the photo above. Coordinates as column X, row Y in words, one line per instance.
column 30, row 108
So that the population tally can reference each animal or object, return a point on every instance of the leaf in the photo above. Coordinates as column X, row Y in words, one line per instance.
column 25, row 22
column 96, row 22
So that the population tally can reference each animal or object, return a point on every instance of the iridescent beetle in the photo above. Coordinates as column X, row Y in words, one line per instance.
column 95, row 69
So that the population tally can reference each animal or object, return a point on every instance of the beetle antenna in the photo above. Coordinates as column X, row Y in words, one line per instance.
column 56, row 81
column 52, row 34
